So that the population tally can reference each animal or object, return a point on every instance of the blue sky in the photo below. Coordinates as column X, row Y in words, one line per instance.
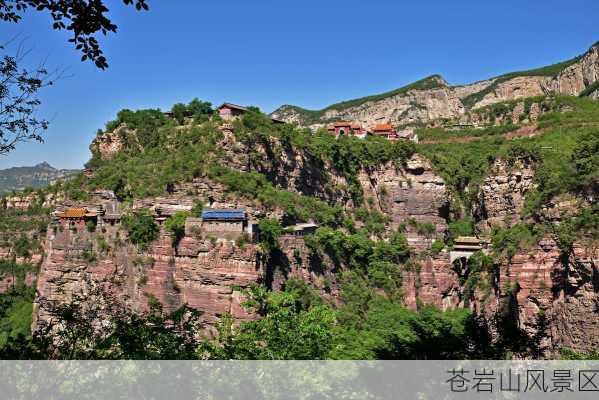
column 268, row 53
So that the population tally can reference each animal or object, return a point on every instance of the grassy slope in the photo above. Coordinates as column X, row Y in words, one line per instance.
column 464, row 165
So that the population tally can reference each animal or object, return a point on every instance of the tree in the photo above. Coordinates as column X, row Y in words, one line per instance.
column 179, row 111
column 97, row 325
column 269, row 232
column 141, row 228
column 295, row 324
column 19, row 86
column 18, row 101
column 586, row 158
column 84, row 18
column 176, row 225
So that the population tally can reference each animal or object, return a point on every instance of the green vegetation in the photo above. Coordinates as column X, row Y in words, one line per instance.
column 269, row 232
column 569, row 354
column 463, row 166
column 152, row 171
column 256, row 186
column 123, row 334
column 176, row 225
column 460, row 227
column 360, row 256
column 141, row 228
column 422, row 228
column 590, row 89
column 374, row 222
column 297, row 324
column 437, row 247
column 479, row 267
column 567, row 137
column 145, row 120
column 16, row 306
column 445, row 134
column 22, row 230
column 199, row 111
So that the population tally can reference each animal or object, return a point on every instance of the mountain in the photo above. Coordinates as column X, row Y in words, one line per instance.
column 471, row 243
column 38, row 176
column 432, row 98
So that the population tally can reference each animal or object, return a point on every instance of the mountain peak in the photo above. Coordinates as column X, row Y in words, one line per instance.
column 44, row 164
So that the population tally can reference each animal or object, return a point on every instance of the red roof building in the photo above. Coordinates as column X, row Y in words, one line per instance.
column 347, row 128
column 385, row 130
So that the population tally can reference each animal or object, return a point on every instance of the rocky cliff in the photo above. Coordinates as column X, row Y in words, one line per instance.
column 545, row 292
column 433, row 98
column 392, row 209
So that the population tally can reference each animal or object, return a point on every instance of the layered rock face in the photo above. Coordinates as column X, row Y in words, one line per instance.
column 411, row 193
column 200, row 273
column 501, row 197
column 452, row 102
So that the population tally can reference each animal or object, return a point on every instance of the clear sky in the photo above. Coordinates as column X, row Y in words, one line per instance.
column 267, row 53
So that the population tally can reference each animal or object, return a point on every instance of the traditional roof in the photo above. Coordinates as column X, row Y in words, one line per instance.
column 215, row 214
column 73, row 213
column 302, row 226
column 356, row 126
column 244, row 109
column 382, row 128
column 342, row 123
column 235, row 106
column 467, row 239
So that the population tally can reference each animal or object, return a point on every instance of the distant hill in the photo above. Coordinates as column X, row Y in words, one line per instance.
column 432, row 98
column 38, row 176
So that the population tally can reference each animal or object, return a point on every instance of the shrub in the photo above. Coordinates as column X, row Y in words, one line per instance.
column 460, row 227
column 176, row 225
column 437, row 246
column 141, row 228
column 243, row 239
column 269, row 232
column 91, row 225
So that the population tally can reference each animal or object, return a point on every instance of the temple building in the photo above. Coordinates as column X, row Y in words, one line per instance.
column 220, row 223
column 76, row 218
column 230, row 111
column 385, row 130
column 303, row 229
column 465, row 246
column 347, row 128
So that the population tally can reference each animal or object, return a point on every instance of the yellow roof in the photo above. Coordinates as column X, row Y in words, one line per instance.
column 74, row 213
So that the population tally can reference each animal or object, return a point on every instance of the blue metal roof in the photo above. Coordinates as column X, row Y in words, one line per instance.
column 216, row 214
